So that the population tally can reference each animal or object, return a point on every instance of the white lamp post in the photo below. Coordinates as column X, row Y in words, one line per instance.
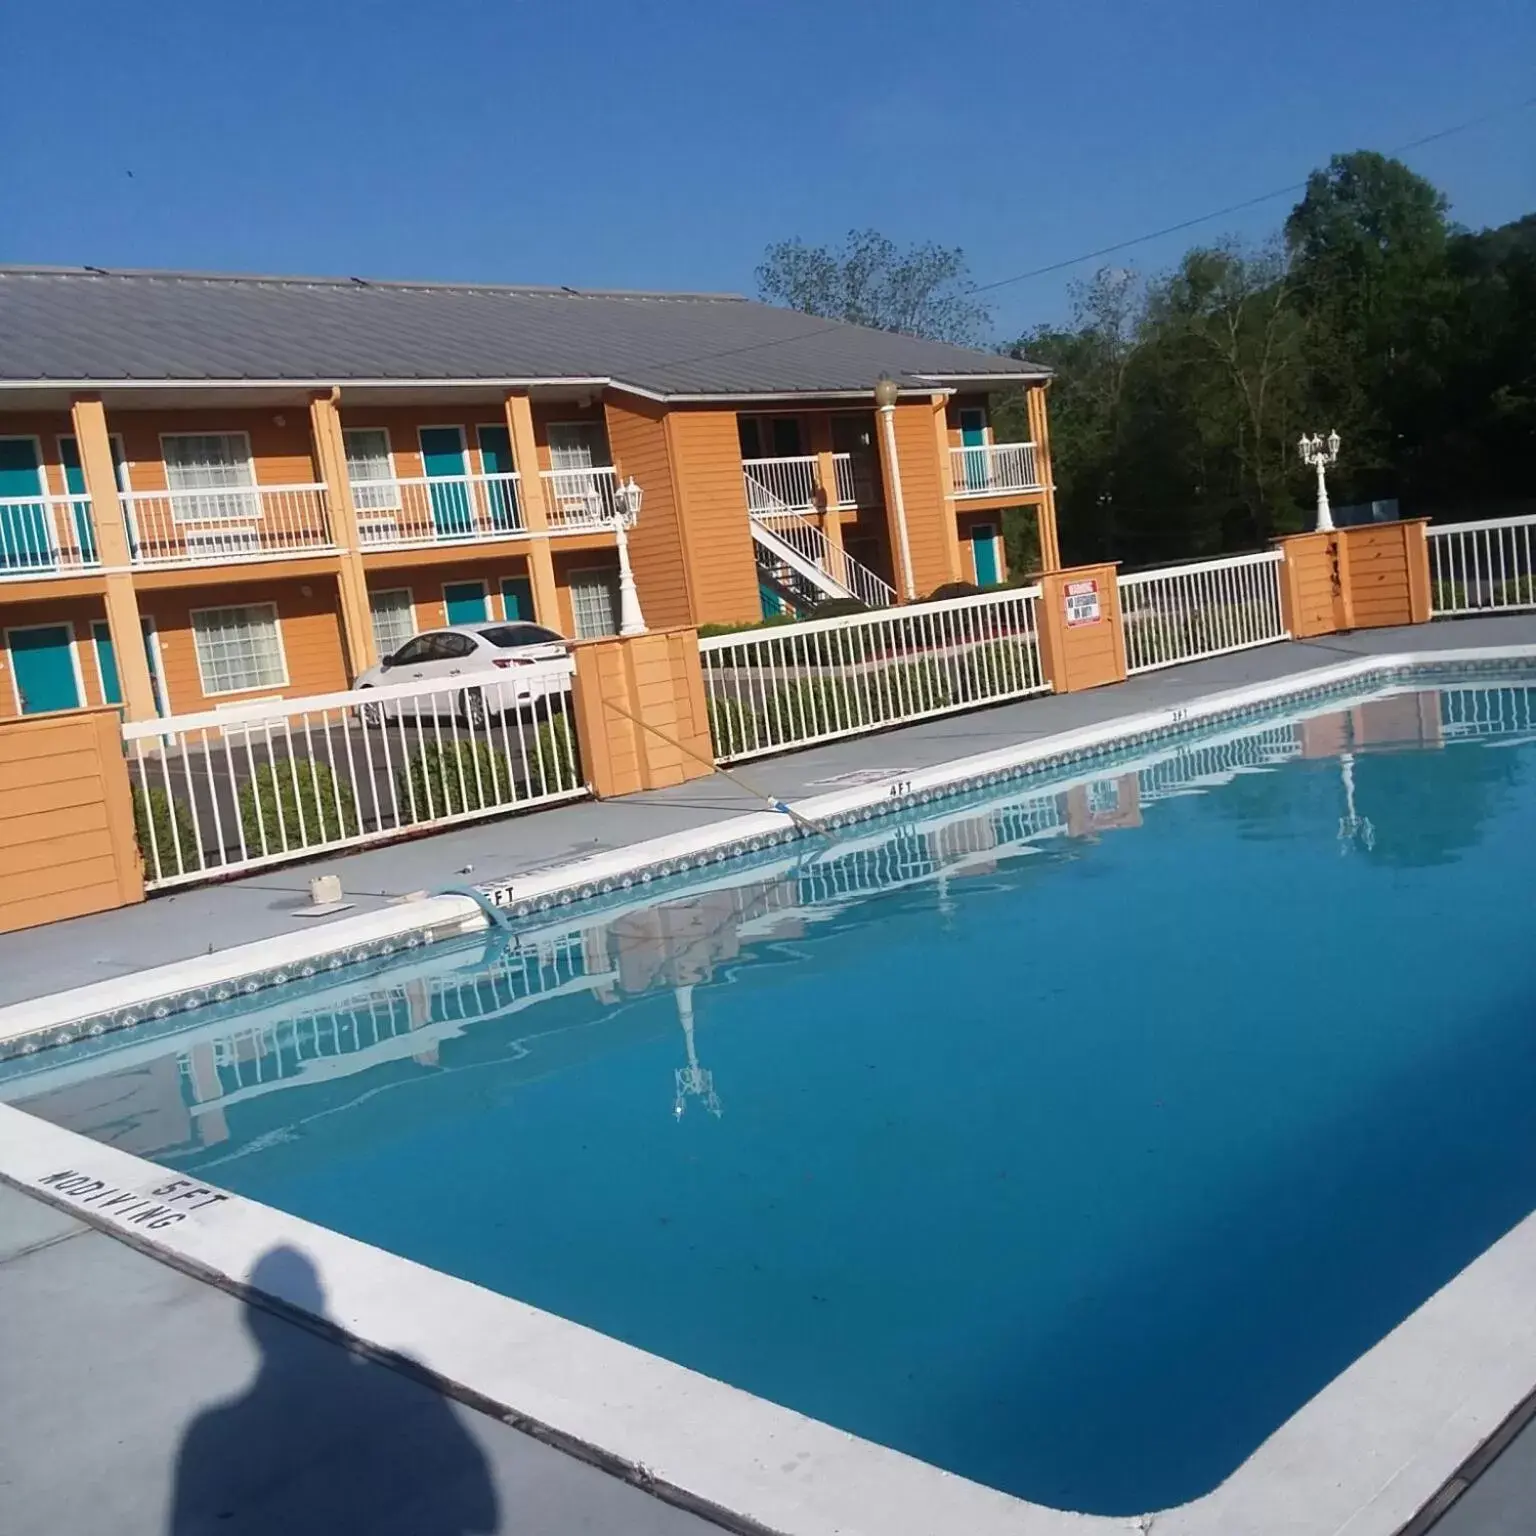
column 626, row 508
column 1314, row 450
column 885, row 397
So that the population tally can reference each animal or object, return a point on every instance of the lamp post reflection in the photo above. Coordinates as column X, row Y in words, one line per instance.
column 692, row 1081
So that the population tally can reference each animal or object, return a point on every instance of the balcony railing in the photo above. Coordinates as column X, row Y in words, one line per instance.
column 576, row 500
column 225, row 524
column 438, row 509
column 993, row 469
column 46, row 536
column 794, row 484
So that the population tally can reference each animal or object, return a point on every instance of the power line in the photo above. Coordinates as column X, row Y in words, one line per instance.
column 1250, row 202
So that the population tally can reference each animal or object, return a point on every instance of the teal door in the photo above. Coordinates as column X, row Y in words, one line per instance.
column 973, row 438
column 26, row 541
column 43, row 667
column 442, row 458
column 984, row 554
column 517, row 598
column 74, row 483
column 465, row 602
column 496, row 459
column 106, row 662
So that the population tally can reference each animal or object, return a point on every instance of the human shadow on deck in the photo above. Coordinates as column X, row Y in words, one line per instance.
column 323, row 1443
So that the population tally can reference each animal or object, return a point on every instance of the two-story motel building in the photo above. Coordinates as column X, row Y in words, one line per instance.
column 221, row 488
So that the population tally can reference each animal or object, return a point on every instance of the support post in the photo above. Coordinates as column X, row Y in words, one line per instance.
column 89, row 418
column 1082, row 638
column 1040, row 435
column 826, row 475
column 895, row 501
column 351, row 581
column 530, row 493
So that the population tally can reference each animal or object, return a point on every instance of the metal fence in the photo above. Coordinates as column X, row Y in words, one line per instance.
column 260, row 783
column 1190, row 611
column 251, row 522
column 772, row 689
column 1482, row 567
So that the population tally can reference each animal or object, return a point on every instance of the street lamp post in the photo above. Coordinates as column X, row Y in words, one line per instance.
column 1314, row 450
column 885, row 397
column 626, row 508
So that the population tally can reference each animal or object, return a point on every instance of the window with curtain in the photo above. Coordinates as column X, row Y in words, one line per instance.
column 393, row 624
column 576, row 445
column 208, row 474
column 595, row 603
column 238, row 648
column 368, row 461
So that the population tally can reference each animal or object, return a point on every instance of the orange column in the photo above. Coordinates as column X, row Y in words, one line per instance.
column 331, row 456
column 122, row 603
column 1040, row 435
column 826, row 474
column 530, row 495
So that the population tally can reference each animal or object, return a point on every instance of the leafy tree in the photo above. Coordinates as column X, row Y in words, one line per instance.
column 924, row 290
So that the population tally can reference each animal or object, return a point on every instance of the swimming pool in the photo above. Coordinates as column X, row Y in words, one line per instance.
column 1066, row 1137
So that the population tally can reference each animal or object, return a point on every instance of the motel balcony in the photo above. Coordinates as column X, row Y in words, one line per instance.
column 794, row 484
column 994, row 469
column 46, row 535
column 227, row 524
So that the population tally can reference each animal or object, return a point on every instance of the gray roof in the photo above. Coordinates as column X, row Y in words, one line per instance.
column 79, row 325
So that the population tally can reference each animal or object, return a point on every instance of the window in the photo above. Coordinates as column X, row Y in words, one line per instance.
column 749, row 432
column 205, row 472
column 453, row 647
column 393, row 620
column 419, row 649
column 576, row 445
column 594, row 601
column 368, row 461
column 508, row 637
column 238, row 648
column 786, row 437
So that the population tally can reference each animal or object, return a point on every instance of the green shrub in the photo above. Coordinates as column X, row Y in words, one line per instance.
column 952, row 589
column 815, row 706
column 734, row 726
column 164, row 830
column 999, row 667
column 706, row 631
column 838, row 608
column 475, row 775
column 907, row 688
column 295, row 804
column 553, row 762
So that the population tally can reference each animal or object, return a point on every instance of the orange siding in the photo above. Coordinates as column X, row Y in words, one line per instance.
column 78, row 612
column 66, row 819
column 638, row 435
column 712, row 501
column 930, row 520
column 425, row 584
column 281, row 451
column 309, row 619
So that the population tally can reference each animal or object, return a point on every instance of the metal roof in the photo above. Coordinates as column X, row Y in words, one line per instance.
column 90, row 326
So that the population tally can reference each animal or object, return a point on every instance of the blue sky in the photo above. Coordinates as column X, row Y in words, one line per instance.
column 649, row 144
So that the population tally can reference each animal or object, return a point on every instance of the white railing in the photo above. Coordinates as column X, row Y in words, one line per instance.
column 253, row 522
column 782, row 485
column 771, row 689
column 46, row 535
column 278, row 779
column 827, row 566
column 1190, row 611
column 580, row 499
column 858, row 480
column 1484, row 567
column 990, row 469
column 436, row 509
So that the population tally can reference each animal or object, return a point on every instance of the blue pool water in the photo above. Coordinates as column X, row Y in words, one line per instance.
column 1069, row 1139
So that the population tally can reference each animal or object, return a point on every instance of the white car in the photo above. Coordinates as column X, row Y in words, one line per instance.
column 512, row 664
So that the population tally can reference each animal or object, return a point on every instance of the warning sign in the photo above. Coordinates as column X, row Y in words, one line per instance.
column 1082, row 602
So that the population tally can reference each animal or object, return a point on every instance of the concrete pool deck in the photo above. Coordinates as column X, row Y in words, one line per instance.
column 52, row 1309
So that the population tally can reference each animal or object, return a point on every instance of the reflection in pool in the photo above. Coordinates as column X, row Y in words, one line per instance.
column 1069, row 1137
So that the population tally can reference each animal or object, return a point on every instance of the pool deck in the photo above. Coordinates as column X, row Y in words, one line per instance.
column 114, row 1354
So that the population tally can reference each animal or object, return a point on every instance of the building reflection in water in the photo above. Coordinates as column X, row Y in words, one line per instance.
column 582, row 987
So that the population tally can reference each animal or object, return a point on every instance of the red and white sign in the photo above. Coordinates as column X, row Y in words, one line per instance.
column 1082, row 601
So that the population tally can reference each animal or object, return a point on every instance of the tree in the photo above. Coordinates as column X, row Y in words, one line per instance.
column 924, row 290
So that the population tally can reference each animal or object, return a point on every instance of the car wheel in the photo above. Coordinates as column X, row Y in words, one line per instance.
column 371, row 714
column 472, row 708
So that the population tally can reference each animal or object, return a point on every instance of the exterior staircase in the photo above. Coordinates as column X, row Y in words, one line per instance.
column 796, row 558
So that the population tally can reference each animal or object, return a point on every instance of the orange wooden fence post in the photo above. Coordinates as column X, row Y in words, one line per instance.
column 1082, row 641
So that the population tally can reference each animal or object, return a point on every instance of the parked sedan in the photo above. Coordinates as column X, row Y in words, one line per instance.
column 513, row 665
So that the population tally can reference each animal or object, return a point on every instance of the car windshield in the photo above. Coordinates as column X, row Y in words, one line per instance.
column 509, row 636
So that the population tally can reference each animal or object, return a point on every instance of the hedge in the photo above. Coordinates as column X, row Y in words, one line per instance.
column 174, row 837
column 474, row 775
column 296, row 804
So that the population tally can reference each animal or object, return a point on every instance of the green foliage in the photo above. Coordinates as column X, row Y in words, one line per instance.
column 997, row 669
column 166, row 836
column 838, row 608
column 952, row 589
column 708, row 631
column 474, row 774
column 734, row 726
column 925, row 290
column 553, row 761
column 295, row 804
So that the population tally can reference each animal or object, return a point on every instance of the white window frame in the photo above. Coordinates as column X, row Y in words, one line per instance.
column 610, row 579
column 374, row 501
column 74, row 654
column 597, row 428
column 409, row 594
column 282, row 654
column 213, row 504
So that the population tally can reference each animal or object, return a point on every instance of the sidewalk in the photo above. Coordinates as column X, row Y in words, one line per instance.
column 203, row 919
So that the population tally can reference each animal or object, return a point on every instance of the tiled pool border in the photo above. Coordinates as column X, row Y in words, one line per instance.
column 1366, row 1453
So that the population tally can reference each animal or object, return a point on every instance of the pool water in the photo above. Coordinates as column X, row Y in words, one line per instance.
column 1070, row 1139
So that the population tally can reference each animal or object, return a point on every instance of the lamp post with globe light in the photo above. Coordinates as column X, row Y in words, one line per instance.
column 1315, row 450
column 626, row 508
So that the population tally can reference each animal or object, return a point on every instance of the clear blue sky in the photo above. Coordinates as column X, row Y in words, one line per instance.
column 664, row 143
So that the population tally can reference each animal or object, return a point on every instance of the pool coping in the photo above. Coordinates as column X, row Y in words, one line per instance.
column 1363, row 1455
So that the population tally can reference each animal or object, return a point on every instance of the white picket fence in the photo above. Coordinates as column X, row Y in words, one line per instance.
column 1188, row 612
column 1482, row 567
column 772, row 689
column 253, row 784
